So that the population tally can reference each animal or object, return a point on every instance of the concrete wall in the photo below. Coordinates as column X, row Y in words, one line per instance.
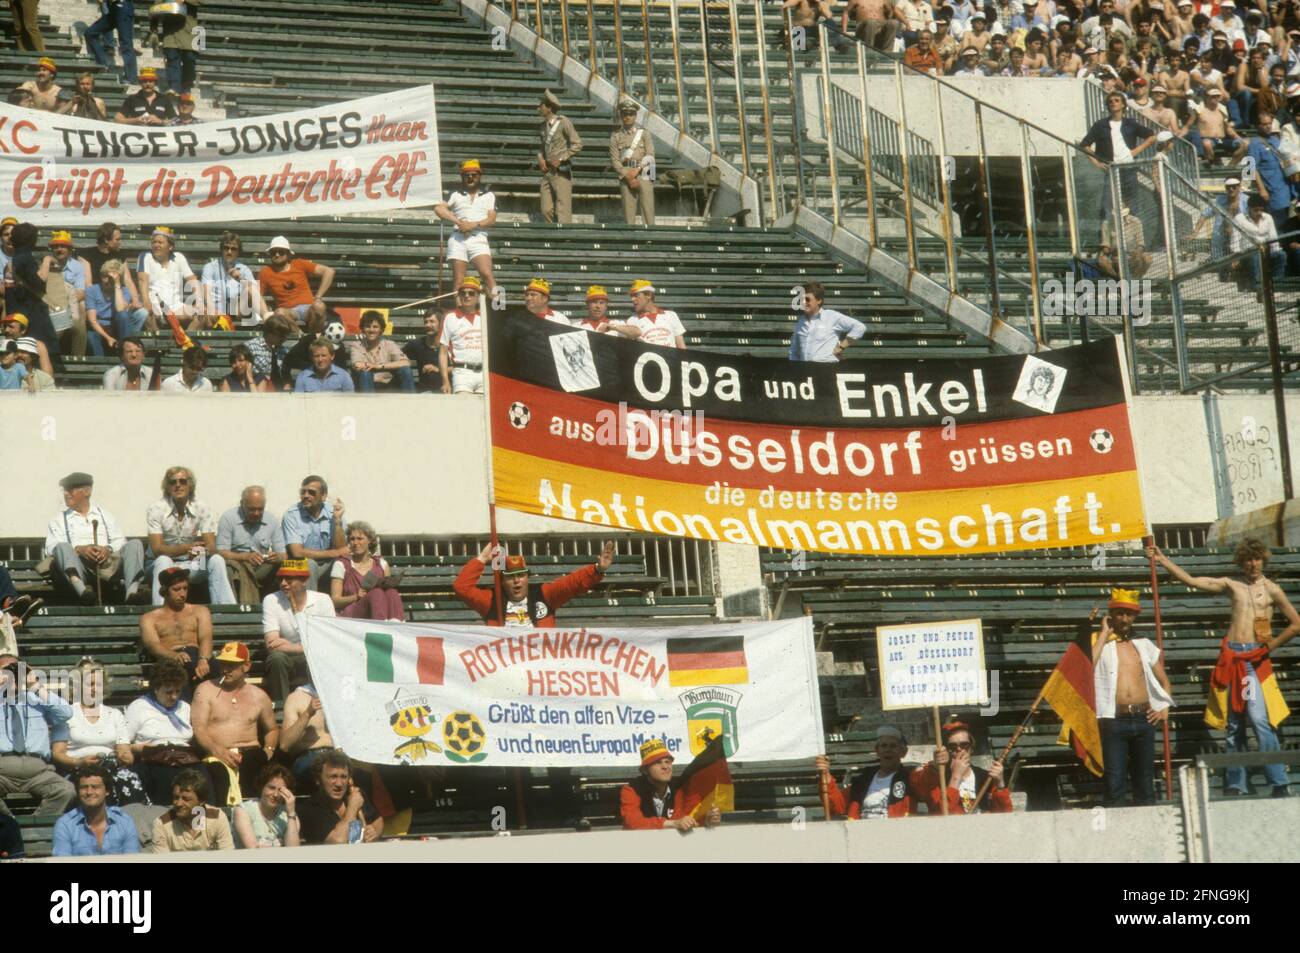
column 415, row 464
column 1055, row 106
column 1131, row 835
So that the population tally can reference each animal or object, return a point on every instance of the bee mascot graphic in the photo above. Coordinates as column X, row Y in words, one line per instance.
column 411, row 718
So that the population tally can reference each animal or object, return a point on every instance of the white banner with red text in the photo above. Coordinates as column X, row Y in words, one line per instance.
column 407, row 693
column 365, row 155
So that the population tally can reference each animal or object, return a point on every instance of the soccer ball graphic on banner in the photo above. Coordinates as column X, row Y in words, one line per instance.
column 520, row 415
column 1101, row 441
column 463, row 737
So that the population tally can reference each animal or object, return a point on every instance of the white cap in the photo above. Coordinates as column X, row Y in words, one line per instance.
column 1232, row 181
column 997, row 30
column 28, row 345
column 1227, row 3
column 888, row 731
column 1212, row 91
column 1058, row 20
column 1157, row 88
column 279, row 241
column 1089, row 51
column 978, row 15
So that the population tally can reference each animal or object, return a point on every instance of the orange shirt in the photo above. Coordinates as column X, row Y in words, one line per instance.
column 290, row 287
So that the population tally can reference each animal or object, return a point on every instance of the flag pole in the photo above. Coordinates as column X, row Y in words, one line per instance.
column 1160, row 644
column 1015, row 737
column 485, row 311
column 943, row 768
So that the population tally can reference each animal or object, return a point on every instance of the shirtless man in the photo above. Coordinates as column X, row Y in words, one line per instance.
column 304, row 735
column 1133, row 696
column 1244, row 658
column 178, row 630
column 874, row 23
column 1159, row 110
column 1210, row 126
column 234, row 727
column 1177, row 82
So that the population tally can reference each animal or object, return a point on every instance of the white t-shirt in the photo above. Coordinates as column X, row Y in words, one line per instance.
column 149, row 726
column 176, row 384
column 471, row 210
column 660, row 328
column 100, row 738
column 559, row 317
column 876, row 803
column 463, row 336
column 339, row 571
column 278, row 615
column 967, row 791
column 1119, row 148
column 167, row 284
column 517, row 613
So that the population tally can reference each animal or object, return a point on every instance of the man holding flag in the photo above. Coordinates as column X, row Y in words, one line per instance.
column 651, row 802
column 1132, row 697
column 1243, row 687
column 880, row 793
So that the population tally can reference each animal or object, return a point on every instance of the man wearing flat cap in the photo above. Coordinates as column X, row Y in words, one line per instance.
column 83, row 542
column 560, row 142
column 884, row 792
column 526, row 604
column 632, row 154
column 1132, row 697
column 649, row 802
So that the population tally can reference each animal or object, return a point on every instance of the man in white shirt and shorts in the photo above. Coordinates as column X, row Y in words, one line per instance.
column 472, row 209
column 461, row 357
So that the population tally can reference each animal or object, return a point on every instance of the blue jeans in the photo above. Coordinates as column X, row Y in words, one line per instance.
column 120, row 17
column 182, row 69
column 1244, row 102
column 1256, row 714
column 405, row 379
column 1128, row 744
column 1277, row 264
column 127, row 323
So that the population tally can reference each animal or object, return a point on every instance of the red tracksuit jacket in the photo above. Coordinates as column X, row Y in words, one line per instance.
column 552, row 595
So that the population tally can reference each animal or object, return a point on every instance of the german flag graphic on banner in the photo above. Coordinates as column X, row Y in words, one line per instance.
column 707, row 661
column 1072, row 694
column 904, row 458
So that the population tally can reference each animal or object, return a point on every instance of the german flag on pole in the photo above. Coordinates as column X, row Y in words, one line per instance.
column 709, row 779
column 713, row 660
column 1071, row 693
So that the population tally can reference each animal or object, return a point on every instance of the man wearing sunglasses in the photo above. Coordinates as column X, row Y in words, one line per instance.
column 472, row 209
column 315, row 529
column 461, row 357
column 183, row 533
column 287, row 280
column 965, row 780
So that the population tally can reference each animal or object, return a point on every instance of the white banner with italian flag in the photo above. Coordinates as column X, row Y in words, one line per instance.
column 404, row 693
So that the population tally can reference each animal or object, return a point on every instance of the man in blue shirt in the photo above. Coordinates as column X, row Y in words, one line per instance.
column 29, row 720
column 93, row 827
column 228, row 284
column 1270, row 179
column 313, row 530
column 323, row 375
column 1228, row 205
column 822, row 334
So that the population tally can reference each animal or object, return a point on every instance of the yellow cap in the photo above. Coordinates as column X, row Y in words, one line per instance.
column 61, row 238
column 539, row 284
column 48, row 63
column 471, row 165
column 1124, row 599
column 472, row 282
column 641, row 285
column 20, row 318
column 597, row 291
column 653, row 750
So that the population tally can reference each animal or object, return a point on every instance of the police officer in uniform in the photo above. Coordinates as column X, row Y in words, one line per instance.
column 632, row 154
column 560, row 142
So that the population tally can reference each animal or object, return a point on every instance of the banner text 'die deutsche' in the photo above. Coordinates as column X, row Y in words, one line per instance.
column 887, row 457
column 368, row 154
column 403, row 693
